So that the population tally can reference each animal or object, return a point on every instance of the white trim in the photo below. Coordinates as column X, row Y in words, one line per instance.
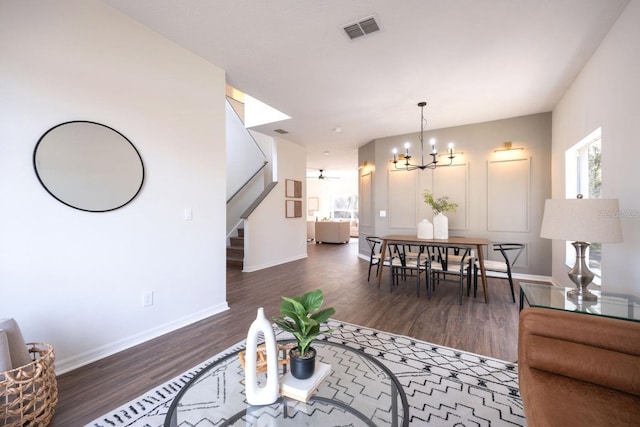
column 272, row 263
column 74, row 362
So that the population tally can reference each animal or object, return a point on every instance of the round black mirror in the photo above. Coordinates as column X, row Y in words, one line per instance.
column 88, row 166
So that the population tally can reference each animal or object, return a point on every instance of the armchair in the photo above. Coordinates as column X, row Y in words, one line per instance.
column 578, row 369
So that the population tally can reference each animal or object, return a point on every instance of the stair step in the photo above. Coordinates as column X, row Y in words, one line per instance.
column 237, row 241
column 235, row 252
column 232, row 262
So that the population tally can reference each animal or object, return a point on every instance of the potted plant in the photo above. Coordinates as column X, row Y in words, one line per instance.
column 439, row 206
column 302, row 317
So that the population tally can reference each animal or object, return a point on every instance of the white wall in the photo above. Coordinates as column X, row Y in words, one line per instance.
column 76, row 279
column 271, row 238
column 606, row 93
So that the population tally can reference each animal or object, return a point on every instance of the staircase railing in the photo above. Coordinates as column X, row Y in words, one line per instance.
column 260, row 198
column 247, row 182
column 249, row 177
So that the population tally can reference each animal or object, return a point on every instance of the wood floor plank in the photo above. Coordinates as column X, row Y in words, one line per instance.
column 488, row 329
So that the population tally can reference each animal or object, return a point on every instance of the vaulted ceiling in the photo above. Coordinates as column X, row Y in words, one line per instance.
column 470, row 60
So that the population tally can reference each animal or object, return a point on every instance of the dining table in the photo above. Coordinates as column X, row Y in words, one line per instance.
column 453, row 241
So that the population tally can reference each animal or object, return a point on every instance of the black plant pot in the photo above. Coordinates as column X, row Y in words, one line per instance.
column 302, row 368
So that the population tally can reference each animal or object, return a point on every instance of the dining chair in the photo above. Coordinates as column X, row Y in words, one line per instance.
column 451, row 261
column 506, row 249
column 411, row 261
column 375, row 244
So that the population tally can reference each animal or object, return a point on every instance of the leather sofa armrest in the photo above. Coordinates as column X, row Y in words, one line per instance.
column 578, row 369
column 595, row 349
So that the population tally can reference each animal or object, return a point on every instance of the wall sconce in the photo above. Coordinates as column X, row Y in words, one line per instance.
column 366, row 168
column 507, row 146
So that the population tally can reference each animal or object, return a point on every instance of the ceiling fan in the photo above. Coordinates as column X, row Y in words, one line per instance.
column 322, row 176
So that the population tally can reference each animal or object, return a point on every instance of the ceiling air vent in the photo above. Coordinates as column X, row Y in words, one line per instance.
column 280, row 131
column 361, row 27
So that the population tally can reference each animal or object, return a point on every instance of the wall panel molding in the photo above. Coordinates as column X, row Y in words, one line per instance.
column 453, row 181
column 508, row 195
column 366, row 214
column 402, row 200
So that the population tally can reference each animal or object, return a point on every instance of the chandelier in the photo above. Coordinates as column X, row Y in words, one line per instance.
column 403, row 161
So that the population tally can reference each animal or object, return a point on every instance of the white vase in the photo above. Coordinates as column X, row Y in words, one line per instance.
column 268, row 393
column 425, row 229
column 440, row 226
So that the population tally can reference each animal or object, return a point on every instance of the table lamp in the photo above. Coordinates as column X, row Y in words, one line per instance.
column 582, row 221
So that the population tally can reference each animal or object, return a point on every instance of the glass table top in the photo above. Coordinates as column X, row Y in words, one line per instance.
column 360, row 391
column 619, row 306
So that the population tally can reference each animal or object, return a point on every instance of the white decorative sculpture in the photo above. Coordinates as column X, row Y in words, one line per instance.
column 440, row 226
column 268, row 393
column 425, row 229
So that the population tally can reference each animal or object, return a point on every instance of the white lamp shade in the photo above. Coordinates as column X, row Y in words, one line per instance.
column 582, row 220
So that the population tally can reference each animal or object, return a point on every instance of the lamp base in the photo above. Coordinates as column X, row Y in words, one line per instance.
column 581, row 295
column 581, row 275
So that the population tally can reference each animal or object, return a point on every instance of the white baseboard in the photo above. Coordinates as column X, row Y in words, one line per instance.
column 253, row 268
column 521, row 276
column 74, row 362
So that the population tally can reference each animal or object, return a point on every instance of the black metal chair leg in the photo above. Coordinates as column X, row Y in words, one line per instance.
column 513, row 295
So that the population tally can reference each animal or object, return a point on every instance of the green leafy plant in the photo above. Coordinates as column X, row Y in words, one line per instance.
column 441, row 204
column 302, row 317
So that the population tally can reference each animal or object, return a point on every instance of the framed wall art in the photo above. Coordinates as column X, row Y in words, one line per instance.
column 293, row 208
column 293, row 188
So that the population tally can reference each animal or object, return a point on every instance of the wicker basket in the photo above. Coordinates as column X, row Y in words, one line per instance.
column 29, row 394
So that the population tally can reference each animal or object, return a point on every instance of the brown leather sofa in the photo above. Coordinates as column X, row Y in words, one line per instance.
column 578, row 370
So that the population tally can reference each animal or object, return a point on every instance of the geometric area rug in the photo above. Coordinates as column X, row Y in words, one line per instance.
column 444, row 386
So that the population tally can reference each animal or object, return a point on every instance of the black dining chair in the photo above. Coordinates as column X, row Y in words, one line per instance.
column 409, row 261
column 510, row 252
column 375, row 244
column 451, row 261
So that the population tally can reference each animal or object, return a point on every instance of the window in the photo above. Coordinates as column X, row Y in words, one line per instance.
column 344, row 207
column 584, row 176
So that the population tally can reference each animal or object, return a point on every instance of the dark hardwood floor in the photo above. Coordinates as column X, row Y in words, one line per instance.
column 488, row 329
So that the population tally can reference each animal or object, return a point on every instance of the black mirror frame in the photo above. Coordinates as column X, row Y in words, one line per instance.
column 35, row 152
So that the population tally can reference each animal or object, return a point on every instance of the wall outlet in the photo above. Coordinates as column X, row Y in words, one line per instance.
column 147, row 299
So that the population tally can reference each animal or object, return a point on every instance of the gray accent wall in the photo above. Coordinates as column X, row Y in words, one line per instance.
column 500, row 194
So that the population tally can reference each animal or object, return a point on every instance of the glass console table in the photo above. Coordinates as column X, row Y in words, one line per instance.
column 360, row 391
column 619, row 306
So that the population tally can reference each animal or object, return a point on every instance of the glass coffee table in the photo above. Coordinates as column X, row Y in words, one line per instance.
column 360, row 391
column 619, row 306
